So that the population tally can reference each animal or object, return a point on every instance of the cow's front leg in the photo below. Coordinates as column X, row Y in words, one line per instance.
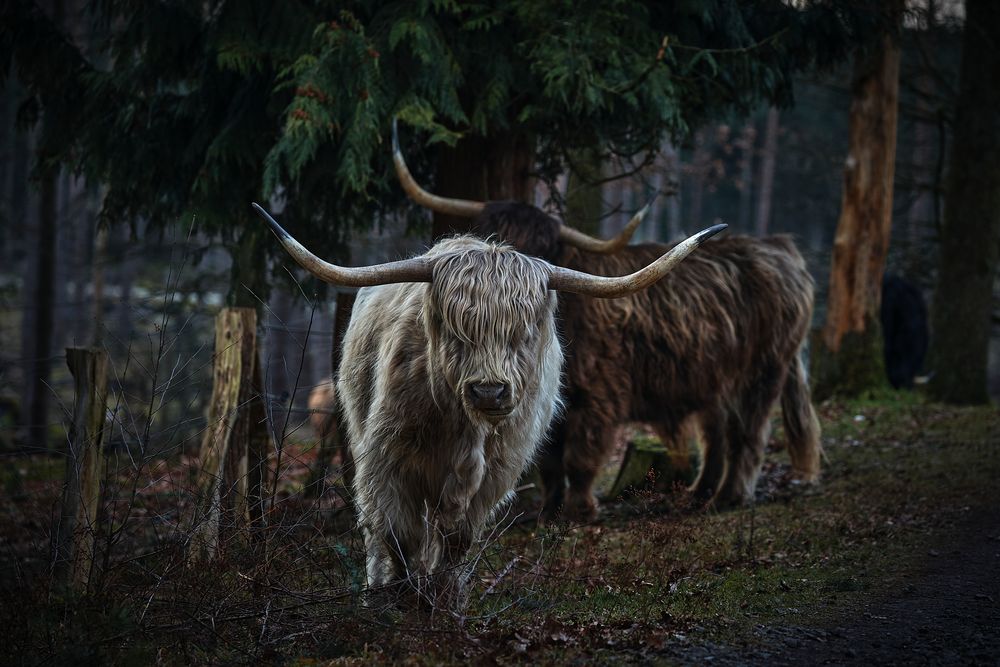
column 380, row 567
column 450, row 590
column 587, row 449
column 389, row 563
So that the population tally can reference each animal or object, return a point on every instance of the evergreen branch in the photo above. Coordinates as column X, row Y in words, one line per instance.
column 738, row 50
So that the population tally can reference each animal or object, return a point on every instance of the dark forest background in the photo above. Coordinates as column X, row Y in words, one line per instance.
column 148, row 293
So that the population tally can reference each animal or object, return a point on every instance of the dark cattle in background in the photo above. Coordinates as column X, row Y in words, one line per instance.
column 718, row 339
column 904, row 330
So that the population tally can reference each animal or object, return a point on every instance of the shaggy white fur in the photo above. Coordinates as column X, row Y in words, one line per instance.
column 432, row 470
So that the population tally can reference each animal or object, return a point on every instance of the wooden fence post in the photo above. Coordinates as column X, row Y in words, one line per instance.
column 235, row 445
column 77, row 531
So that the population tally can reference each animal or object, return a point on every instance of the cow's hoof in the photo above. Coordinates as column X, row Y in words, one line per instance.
column 804, row 477
column 548, row 515
column 580, row 509
column 730, row 500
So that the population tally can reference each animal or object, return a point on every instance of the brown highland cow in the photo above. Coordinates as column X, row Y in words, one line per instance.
column 717, row 340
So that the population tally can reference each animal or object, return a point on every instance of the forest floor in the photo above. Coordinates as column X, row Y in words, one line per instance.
column 943, row 607
column 894, row 558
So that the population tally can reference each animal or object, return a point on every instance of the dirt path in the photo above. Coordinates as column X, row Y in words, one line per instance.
column 947, row 614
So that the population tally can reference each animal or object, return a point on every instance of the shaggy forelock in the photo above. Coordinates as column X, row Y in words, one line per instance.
column 486, row 292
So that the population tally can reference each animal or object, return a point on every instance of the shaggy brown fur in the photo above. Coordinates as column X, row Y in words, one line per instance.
column 718, row 339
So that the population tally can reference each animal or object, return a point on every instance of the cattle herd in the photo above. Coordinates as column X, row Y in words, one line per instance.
column 460, row 367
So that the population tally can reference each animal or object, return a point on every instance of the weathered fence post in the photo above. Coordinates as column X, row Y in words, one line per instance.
column 234, row 448
column 77, row 531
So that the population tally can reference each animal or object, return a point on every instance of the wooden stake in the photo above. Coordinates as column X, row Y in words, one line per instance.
column 78, row 525
column 234, row 448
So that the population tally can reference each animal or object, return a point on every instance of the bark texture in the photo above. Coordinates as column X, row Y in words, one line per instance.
column 78, row 521
column 969, row 244
column 848, row 360
column 234, row 449
column 496, row 169
column 769, row 155
column 248, row 287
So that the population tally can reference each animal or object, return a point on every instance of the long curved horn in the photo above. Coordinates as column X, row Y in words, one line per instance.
column 568, row 280
column 578, row 239
column 416, row 270
column 461, row 207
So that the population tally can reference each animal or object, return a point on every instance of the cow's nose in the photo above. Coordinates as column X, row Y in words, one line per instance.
column 489, row 391
column 488, row 395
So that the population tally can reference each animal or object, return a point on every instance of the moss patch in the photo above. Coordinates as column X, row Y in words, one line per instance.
column 857, row 368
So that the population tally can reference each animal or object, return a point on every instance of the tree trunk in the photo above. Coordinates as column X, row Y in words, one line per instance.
column 6, row 160
column 127, row 271
column 233, row 450
column 43, row 301
column 241, row 459
column 673, row 175
column 76, row 534
column 748, row 145
column 83, row 267
column 248, row 275
column 44, row 295
column 657, row 209
column 99, row 271
column 62, row 337
column 848, row 360
column 24, row 233
column 765, row 194
column 971, row 234
column 19, row 186
column 15, row 185
column 649, row 463
column 494, row 169
column 698, row 171
column 584, row 203
column 922, row 209
column 249, row 289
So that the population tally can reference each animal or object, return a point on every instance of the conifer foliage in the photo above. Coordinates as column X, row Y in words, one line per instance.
column 194, row 107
